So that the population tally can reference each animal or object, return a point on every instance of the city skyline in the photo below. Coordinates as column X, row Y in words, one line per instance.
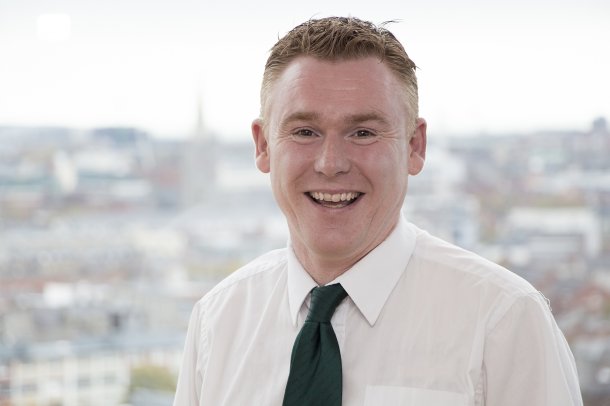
column 508, row 67
column 95, row 223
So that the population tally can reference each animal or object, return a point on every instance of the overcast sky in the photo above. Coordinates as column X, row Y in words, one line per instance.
column 485, row 66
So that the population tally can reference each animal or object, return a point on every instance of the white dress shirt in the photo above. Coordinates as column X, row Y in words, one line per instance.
column 425, row 323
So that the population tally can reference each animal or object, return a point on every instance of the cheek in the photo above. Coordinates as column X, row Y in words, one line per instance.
column 286, row 169
column 389, row 165
column 290, row 160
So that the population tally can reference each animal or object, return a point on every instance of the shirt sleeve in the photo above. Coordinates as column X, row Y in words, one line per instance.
column 527, row 360
column 189, row 385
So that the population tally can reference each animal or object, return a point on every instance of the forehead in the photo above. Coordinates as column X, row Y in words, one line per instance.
column 368, row 71
column 354, row 85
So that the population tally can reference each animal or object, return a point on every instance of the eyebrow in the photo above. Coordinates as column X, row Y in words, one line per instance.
column 354, row 119
column 361, row 118
column 302, row 116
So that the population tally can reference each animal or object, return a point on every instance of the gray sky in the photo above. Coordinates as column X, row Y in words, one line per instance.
column 485, row 66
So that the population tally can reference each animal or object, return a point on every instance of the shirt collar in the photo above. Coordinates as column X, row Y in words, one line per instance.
column 368, row 283
column 300, row 283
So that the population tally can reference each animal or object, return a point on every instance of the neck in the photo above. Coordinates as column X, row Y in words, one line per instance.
column 324, row 270
column 325, row 266
column 324, row 277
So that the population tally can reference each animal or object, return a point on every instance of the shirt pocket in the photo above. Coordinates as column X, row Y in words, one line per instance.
column 406, row 396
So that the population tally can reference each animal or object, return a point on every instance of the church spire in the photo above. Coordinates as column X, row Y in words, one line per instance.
column 199, row 166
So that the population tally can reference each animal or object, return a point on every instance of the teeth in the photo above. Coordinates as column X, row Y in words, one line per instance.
column 335, row 198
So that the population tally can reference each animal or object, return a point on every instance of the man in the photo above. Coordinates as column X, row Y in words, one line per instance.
column 407, row 319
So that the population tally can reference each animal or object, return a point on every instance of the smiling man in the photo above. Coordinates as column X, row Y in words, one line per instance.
column 338, row 143
column 362, row 307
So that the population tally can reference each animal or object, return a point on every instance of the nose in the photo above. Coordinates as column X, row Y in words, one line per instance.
column 332, row 157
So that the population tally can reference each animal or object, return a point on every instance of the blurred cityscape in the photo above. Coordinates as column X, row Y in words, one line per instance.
column 108, row 236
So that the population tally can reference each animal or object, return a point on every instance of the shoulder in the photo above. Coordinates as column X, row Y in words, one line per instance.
column 253, row 279
column 235, row 298
column 264, row 266
column 458, row 277
column 436, row 256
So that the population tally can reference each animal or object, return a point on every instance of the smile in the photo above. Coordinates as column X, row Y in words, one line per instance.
column 334, row 200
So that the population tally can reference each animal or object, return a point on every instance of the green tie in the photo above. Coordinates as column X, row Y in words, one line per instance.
column 315, row 377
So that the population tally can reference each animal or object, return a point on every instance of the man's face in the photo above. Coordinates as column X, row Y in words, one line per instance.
column 336, row 143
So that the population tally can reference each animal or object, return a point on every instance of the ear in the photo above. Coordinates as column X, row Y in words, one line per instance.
column 417, row 147
column 262, row 146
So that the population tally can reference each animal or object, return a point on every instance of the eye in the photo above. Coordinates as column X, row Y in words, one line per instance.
column 303, row 132
column 363, row 134
column 304, row 135
column 363, row 137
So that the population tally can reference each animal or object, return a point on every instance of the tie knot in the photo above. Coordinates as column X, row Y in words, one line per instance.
column 324, row 301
